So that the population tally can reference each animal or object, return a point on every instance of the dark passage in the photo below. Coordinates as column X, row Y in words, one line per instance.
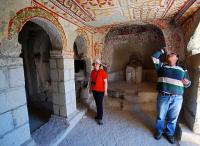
column 36, row 48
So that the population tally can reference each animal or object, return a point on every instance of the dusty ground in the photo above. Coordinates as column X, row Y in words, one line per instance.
column 121, row 128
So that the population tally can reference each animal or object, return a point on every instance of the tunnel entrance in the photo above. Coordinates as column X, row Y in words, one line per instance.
column 36, row 46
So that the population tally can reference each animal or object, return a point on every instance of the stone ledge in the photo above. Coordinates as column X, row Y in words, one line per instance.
column 53, row 132
column 29, row 142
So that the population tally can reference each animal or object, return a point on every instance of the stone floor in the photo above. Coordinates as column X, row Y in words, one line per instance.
column 39, row 114
column 121, row 128
column 37, row 118
column 127, row 122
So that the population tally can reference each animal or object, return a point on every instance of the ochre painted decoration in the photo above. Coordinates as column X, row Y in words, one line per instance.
column 26, row 14
column 193, row 8
column 73, row 9
column 99, row 7
column 63, row 12
column 92, row 13
column 87, row 4
column 97, row 49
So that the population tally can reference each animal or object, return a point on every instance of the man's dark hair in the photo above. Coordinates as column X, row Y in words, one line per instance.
column 173, row 53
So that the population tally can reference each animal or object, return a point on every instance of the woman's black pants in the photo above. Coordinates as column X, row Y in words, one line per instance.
column 98, row 97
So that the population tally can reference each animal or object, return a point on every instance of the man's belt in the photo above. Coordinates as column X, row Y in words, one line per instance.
column 166, row 94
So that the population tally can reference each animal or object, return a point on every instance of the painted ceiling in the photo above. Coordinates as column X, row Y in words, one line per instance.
column 99, row 13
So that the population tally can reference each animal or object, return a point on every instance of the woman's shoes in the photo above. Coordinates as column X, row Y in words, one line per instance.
column 100, row 122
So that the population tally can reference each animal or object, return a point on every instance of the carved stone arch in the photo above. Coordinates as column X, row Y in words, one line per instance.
column 80, row 37
column 41, row 17
column 83, row 34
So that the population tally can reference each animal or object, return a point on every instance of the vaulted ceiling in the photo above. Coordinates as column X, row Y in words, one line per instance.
column 99, row 13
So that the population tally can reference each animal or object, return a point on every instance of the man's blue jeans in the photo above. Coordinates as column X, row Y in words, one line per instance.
column 168, row 107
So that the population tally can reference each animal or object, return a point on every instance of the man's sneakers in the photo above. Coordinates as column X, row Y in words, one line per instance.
column 157, row 135
column 170, row 138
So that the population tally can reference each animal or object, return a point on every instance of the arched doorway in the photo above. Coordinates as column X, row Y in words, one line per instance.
column 36, row 46
column 39, row 39
column 132, row 43
column 47, row 46
column 82, row 66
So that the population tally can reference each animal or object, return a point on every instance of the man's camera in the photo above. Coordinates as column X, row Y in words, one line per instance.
column 93, row 83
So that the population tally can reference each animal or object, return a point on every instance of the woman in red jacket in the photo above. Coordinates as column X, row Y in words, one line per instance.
column 98, row 86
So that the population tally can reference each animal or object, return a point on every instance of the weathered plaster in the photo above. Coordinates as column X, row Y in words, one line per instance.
column 174, row 40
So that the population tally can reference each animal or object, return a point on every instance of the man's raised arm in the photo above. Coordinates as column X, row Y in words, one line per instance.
column 156, row 58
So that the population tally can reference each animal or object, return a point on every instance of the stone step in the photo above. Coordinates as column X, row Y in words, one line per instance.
column 133, row 96
column 116, row 93
column 141, row 93
column 140, row 107
column 113, row 102
column 56, row 129
column 130, row 106
column 148, row 96
column 141, row 97
column 131, row 91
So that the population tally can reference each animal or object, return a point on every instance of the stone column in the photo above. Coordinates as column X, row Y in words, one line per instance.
column 14, row 121
column 62, row 76
column 192, row 95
